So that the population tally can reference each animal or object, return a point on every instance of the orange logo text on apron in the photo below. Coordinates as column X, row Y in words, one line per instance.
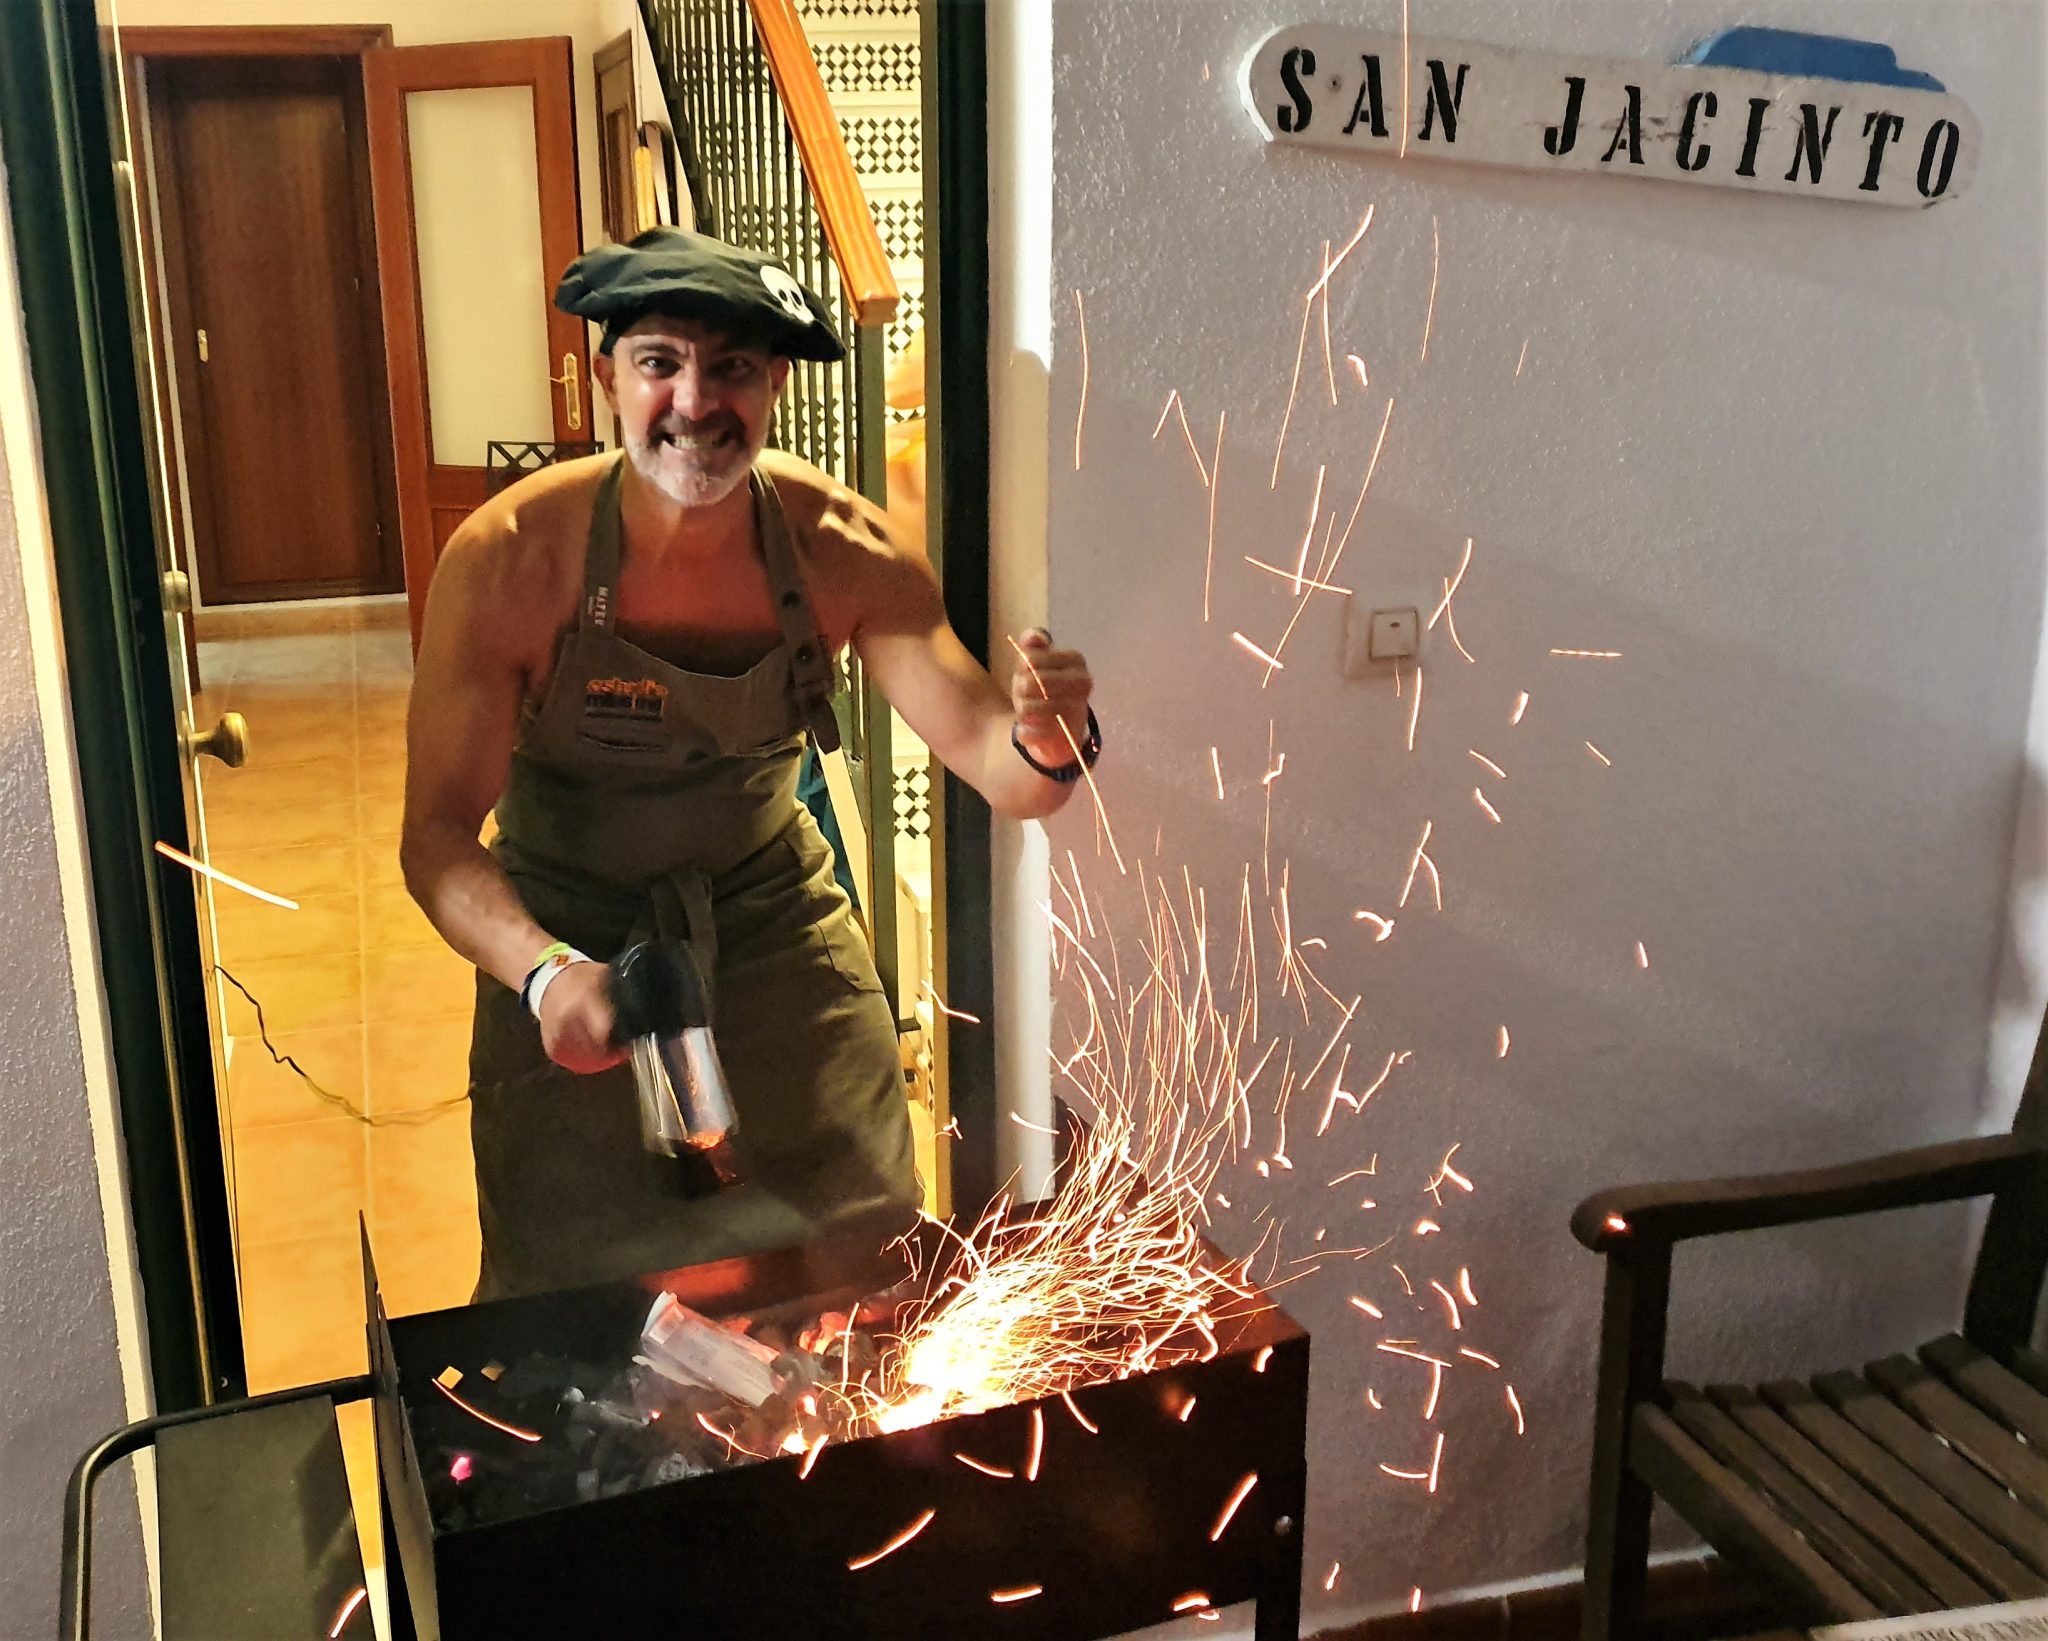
column 639, row 700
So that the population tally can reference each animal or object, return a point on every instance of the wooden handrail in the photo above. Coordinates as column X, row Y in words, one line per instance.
column 842, row 206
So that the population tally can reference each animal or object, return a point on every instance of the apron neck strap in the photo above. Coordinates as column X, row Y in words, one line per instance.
column 601, row 555
column 810, row 664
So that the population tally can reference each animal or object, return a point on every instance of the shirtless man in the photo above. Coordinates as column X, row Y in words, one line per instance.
column 625, row 656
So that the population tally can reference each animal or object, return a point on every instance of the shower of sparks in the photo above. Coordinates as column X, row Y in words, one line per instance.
column 803, row 1471
column 1033, row 1127
column 1451, row 626
column 1315, row 509
column 1519, row 363
column 1296, row 575
column 1237, row 1497
column 1590, row 655
column 1330, row 1578
column 1642, row 957
column 894, row 1544
column 1404, row 80
column 1087, row 774
column 1188, row 434
column 1350, row 245
column 356, row 1598
column 1371, row 467
column 214, row 874
column 1451, row 587
column 1435, row 263
column 945, row 1008
column 1590, row 747
column 994, row 1470
column 1081, row 414
column 1490, row 764
column 1080, row 1418
column 1492, row 813
column 1286, row 421
column 1383, row 926
column 1450, row 1304
column 1023, row 1592
column 1273, row 662
column 1216, row 769
column 1323, row 284
column 1415, row 861
column 1215, row 484
column 1415, row 711
column 1358, row 369
column 1515, row 1403
column 1034, row 1454
column 476, row 1412
column 1521, row 706
column 1501, row 1053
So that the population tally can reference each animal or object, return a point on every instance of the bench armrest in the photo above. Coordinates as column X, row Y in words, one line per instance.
column 1673, row 1211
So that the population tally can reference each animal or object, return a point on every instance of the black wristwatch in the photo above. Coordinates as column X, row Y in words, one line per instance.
column 1066, row 774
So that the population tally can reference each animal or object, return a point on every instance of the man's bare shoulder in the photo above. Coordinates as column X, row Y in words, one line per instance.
column 518, row 559
column 837, row 529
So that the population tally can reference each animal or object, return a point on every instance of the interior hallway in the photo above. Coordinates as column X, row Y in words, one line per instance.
column 355, row 986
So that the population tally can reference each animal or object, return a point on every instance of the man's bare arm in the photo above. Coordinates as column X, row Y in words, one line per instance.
column 951, row 700
column 464, row 717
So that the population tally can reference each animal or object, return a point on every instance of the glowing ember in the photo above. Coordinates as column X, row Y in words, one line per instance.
column 215, row 875
column 894, row 1544
column 356, row 1598
column 1521, row 706
column 995, row 1470
column 1272, row 661
column 1023, row 1592
column 476, row 1412
column 1590, row 747
column 1488, row 762
column 1515, row 1403
column 1081, row 414
column 1237, row 1497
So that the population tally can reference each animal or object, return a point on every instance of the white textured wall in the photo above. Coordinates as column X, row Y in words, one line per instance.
column 70, row 1349
column 1786, row 457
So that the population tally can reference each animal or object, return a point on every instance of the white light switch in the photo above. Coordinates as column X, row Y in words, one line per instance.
column 1374, row 637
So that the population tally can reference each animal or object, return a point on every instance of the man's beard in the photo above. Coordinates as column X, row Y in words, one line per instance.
column 688, row 473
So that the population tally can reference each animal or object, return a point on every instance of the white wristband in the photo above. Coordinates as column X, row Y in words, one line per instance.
column 545, row 976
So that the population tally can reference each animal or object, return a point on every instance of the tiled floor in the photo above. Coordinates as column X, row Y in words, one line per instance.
column 354, row 985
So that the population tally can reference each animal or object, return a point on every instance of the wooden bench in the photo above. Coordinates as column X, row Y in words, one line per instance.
column 1917, row 1485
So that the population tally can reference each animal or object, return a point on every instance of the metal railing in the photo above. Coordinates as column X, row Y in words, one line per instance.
column 767, row 167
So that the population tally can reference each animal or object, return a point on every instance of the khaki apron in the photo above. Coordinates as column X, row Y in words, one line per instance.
column 643, row 799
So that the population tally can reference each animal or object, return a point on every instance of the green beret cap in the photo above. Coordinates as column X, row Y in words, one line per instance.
column 693, row 276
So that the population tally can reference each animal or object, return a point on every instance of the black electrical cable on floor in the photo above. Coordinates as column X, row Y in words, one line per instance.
column 348, row 1108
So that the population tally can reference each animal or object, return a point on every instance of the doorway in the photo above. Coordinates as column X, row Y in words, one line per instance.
column 257, row 175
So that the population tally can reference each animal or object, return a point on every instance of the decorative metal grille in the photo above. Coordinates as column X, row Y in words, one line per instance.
column 869, row 65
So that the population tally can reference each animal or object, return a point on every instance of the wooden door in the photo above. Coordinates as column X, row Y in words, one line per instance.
column 473, row 170
column 262, row 190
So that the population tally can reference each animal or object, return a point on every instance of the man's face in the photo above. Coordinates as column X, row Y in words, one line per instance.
column 693, row 407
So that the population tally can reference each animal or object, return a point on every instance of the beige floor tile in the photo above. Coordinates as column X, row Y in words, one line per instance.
column 380, row 774
column 422, row 1171
column 379, row 855
column 380, row 817
column 380, row 714
column 308, row 869
column 415, row 983
column 280, row 826
column 359, row 1455
column 295, row 725
column 253, row 931
column 297, row 994
column 296, row 658
column 267, row 781
column 302, row 1309
column 260, row 1090
column 301, row 1179
column 414, row 1064
column 392, row 919
column 426, row 1264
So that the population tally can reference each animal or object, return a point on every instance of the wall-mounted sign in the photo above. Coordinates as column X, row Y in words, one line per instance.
column 1324, row 86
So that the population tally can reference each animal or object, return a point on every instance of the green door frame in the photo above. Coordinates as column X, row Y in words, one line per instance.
column 67, row 233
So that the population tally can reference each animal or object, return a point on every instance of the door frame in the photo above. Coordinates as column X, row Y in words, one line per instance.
column 172, row 339
column 454, row 67
column 67, row 231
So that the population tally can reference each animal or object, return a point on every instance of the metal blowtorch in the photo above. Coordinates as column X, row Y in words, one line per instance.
column 663, row 1009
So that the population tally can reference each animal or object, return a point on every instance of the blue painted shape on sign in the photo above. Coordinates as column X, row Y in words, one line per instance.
column 1808, row 57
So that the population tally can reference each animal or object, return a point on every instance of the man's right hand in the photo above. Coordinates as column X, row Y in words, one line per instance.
column 576, row 1020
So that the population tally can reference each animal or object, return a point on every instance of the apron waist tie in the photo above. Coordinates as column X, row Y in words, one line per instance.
column 682, row 911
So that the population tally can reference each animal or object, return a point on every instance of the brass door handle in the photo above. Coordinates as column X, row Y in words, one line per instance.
column 571, row 384
column 177, row 592
column 228, row 740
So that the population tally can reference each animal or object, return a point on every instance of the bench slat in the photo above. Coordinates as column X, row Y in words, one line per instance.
column 2006, row 1397
column 1977, row 1436
column 1874, row 1517
column 1812, row 1517
column 1969, row 1545
column 1953, row 1476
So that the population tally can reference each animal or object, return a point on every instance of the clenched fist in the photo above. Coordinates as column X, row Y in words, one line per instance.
column 1050, row 687
column 576, row 1021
